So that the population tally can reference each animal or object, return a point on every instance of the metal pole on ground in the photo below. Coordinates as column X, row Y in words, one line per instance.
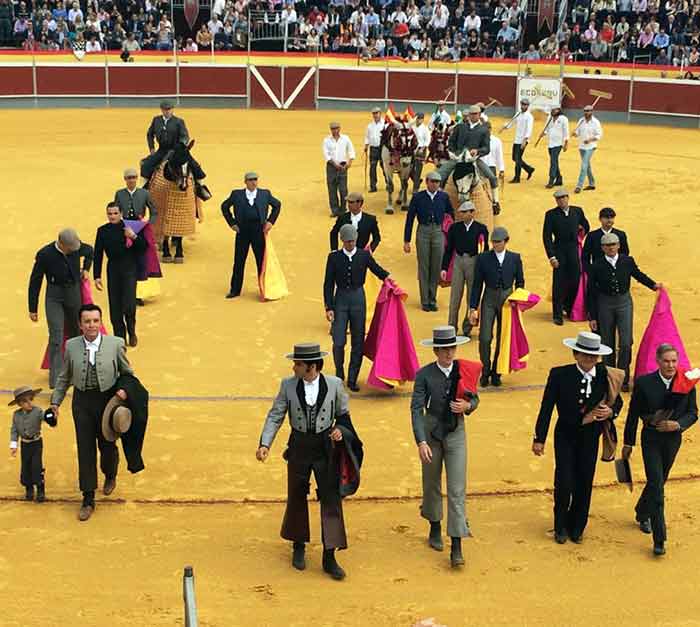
column 34, row 81
column 317, row 78
column 188, row 598
column 107, row 78
column 386, row 82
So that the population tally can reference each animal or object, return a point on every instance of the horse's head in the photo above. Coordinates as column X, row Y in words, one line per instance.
column 177, row 167
column 465, row 178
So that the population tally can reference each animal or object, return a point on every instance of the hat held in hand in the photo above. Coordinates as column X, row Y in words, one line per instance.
column 116, row 419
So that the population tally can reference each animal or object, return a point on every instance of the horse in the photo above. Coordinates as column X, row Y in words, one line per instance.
column 437, row 150
column 172, row 188
column 468, row 185
column 399, row 144
column 466, row 175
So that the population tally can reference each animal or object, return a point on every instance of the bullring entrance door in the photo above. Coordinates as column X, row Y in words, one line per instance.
column 282, row 87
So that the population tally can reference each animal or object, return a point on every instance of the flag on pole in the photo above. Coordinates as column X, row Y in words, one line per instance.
column 191, row 8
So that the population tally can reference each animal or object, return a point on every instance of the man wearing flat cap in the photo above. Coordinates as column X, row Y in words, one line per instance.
column 133, row 200
column 609, row 302
column 466, row 238
column 169, row 131
column 589, row 133
column 344, row 297
column 365, row 223
column 443, row 394
column 496, row 273
column 250, row 212
column 560, row 233
column 338, row 153
column 592, row 248
column 319, row 416
column 373, row 150
column 586, row 395
column 423, row 136
column 60, row 263
column 440, row 117
column 428, row 207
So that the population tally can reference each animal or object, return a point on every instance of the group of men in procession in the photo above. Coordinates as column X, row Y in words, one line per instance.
column 485, row 273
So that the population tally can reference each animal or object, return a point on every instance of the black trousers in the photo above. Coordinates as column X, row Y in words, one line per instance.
column 575, row 454
column 520, row 165
column 121, row 289
column 350, row 308
column 250, row 235
column 32, row 472
column 87, row 417
column 375, row 157
column 151, row 163
column 565, row 280
column 659, row 452
column 309, row 452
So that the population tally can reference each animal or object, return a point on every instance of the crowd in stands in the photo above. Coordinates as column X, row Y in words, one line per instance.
column 662, row 32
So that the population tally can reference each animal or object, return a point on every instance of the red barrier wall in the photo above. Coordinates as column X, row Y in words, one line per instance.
column 351, row 84
column 86, row 80
column 620, row 90
column 16, row 81
column 668, row 98
column 212, row 80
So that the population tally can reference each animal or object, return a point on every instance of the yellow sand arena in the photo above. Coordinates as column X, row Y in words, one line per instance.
column 212, row 365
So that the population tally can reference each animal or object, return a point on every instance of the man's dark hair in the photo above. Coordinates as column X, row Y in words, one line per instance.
column 112, row 203
column 90, row 307
column 607, row 212
column 314, row 362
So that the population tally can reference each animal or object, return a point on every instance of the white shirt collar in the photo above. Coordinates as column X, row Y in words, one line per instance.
column 612, row 260
column 566, row 211
column 311, row 390
column 92, row 347
column 432, row 194
column 500, row 256
column 467, row 225
column 587, row 377
column 606, row 232
column 350, row 254
column 473, row 124
column 165, row 120
column 355, row 218
column 446, row 371
column 59, row 249
column 667, row 382
column 251, row 195
column 132, row 191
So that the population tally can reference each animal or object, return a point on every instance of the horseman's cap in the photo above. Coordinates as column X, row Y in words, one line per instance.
column 499, row 234
column 376, row 110
column 588, row 108
column 334, row 125
column 69, row 238
column 560, row 193
column 434, row 176
column 467, row 205
column 420, row 115
column 355, row 196
column 250, row 175
column 441, row 103
column 474, row 109
column 348, row 232
column 130, row 172
column 166, row 104
column 609, row 238
column 525, row 101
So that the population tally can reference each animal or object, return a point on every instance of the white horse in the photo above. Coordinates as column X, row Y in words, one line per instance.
column 466, row 174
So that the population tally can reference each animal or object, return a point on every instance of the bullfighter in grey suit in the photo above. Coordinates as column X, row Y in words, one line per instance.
column 316, row 404
column 133, row 200
column 92, row 364
column 251, row 222
column 437, row 415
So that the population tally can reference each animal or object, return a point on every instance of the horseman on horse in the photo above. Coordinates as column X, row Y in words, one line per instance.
column 398, row 150
column 171, row 134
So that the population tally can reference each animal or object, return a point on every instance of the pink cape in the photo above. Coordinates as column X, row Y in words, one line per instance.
column 578, row 311
column 514, row 349
column 389, row 343
column 85, row 299
column 661, row 328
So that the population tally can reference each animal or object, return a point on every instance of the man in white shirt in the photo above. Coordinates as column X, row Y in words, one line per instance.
column 373, row 140
column 423, row 136
column 472, row 22
column 523, row 131
column 440, row 116
column 494, row 160
column 438, row 23
column 558, row 136
column 338, row 153
column 589, row 132
column 93, row 45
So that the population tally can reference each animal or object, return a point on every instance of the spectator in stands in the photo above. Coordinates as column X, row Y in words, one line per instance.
column 148, row 38
column 190, row 46
column 589, row 36
column 7, row 15
column 694, row 56
column 508, row 35
column 645, row 41
column 164, row 34
column 313, row 41
column 93, row 45
column 438, row 22
column 599, row 49
column 662, row 58
column 661, row 42
column 74, row 12
column 579, row 14
column 532, row 54
column 204, row 37
column 130, row 44
column 442, row 52
column 548, row 47
column 639, row 6
column 472, row 22
column 21, row 29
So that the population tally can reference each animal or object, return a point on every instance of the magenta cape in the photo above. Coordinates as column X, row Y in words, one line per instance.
column 85, row 299
column 389, row 342
column 661, row 328
column 578, row 311
column 514, row 350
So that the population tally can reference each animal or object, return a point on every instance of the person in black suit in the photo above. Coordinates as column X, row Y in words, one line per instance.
column 580, row 392
column 496, row 272
column 609, row 302
column 365, row 223
column 666, row 413
column 560, row 237
column 251, row 222
column 344, row 297
column 592, row 250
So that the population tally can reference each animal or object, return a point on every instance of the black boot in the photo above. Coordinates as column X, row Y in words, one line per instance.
column 202, row 191
column 40, row 493
column 456, row 557
column 435, row 536
column 298, row 559
column 179, row 253
column 659, row 549
column 338, row 360
column 495, row 379
column 29, row 493
column 167, row 257
column 332, row 567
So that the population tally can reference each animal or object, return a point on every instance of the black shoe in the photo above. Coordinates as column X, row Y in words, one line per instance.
column 29, row 493
column 425, row 307
column 645, row 526
column 589, row 188
column 40, row 493
column 577, row 190
column 576, row 539
column 435, row 536
column 496, row 380
column 560, row 537
column 372, row 190
column 559, row 182
column 496, row 208
column 433, row 307
column 353, row 387
column 530, row 173
column 456, row 557
column 298, row 556
column 167, row 259
column 515, row 180
column 133, row 340
column 232, row 295
column 659, row 548
column 625, row 387
column 484, row 380
column 332, row 567
column 558, row 321
column 549, row 185
column 109, row 485
column 140, row 303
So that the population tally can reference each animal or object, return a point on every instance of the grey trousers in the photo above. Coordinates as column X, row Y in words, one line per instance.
column 452, row 452
column 337, row 183
column 486, row 172
column 417, row 173
column 491, row 305
column 462, row 277
column 375, row 158
column 62, row 306
column 615, row 315
column 350, row 308
column 446, row 168
column 430, row 245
